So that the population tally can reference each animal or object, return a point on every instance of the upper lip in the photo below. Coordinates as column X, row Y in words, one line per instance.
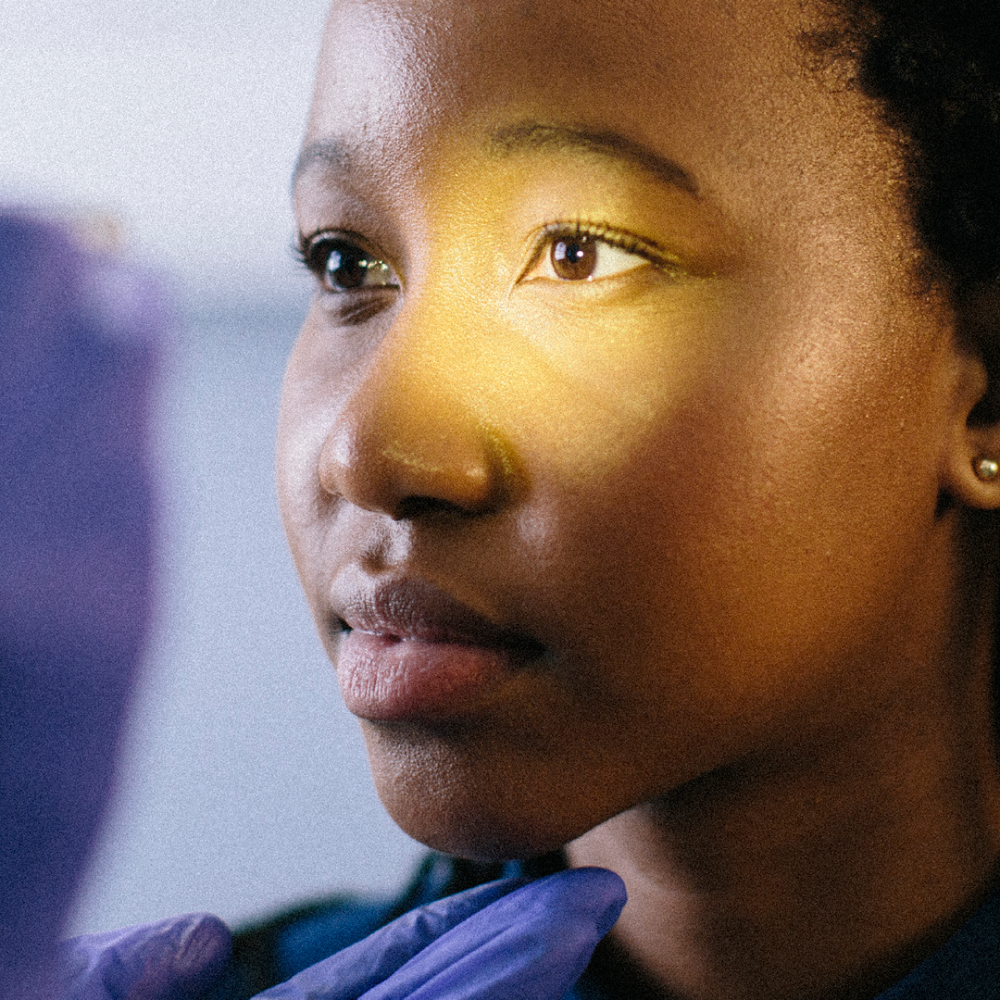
column 411, row 608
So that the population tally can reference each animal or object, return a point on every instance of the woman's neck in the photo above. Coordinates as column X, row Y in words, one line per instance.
column 825, row 880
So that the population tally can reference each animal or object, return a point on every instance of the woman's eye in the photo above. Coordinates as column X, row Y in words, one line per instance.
column 344, row 267
column 582, row 257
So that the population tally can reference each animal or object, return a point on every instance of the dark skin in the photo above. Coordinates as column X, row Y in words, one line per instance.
column 724, row 481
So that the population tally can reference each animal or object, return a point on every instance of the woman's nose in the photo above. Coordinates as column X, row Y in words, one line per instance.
column 404, row 443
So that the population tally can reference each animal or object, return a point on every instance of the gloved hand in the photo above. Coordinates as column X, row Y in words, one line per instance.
column 79, row 339
column 171, row 960
column 505, row 939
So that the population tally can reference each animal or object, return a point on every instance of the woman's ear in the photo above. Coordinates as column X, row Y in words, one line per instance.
column 972, row 465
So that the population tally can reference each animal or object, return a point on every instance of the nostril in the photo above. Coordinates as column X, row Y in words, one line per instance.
column 412, row 507
column 337, row 627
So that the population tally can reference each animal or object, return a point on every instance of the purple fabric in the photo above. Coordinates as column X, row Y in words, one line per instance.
column 78, row 346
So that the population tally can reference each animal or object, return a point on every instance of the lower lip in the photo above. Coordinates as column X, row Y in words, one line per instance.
column 386, row 679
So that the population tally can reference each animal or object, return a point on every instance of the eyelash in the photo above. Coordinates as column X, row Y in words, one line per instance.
column 582, row 228
column 313, row 253
column 304, row 248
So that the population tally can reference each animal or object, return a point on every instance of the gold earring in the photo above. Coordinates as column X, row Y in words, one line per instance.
column 986, row 469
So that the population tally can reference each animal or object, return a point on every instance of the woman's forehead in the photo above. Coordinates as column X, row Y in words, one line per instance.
column 727, row 92
column 424, row 60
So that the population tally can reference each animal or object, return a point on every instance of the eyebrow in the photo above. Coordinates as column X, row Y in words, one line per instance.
column 609, row 144
column 331, row 155
column 336, row 156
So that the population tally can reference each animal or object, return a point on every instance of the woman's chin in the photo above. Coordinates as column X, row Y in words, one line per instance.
column 473, row 833
column 483, row 813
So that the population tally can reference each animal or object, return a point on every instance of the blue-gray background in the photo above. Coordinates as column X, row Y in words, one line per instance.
column 244, row 784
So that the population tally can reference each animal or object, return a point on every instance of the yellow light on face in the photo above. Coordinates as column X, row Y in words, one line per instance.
column 581, row 372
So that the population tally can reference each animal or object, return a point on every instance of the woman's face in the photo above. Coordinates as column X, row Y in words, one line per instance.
column 610, row 449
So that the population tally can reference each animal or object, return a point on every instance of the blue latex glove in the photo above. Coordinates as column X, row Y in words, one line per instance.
column 79, row 338
column 505, row 939
column 171, row 960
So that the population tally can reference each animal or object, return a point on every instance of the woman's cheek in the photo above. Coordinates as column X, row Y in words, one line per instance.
column 581, row 390
column 309, row 400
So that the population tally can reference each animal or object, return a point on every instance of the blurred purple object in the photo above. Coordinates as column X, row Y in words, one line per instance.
column 79, row 335
column 172, row 959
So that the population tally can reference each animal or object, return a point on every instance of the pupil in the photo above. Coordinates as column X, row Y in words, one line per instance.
column 574, row 259
column 346, row 267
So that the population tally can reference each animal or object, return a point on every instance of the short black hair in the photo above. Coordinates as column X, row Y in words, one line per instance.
column 933, row 67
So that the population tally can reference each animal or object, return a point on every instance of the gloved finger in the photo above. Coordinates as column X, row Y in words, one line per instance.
column 349, row 973
column 533, row 944
column 170, row 960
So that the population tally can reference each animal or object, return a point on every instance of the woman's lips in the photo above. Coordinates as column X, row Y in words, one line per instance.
column 409, row 650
